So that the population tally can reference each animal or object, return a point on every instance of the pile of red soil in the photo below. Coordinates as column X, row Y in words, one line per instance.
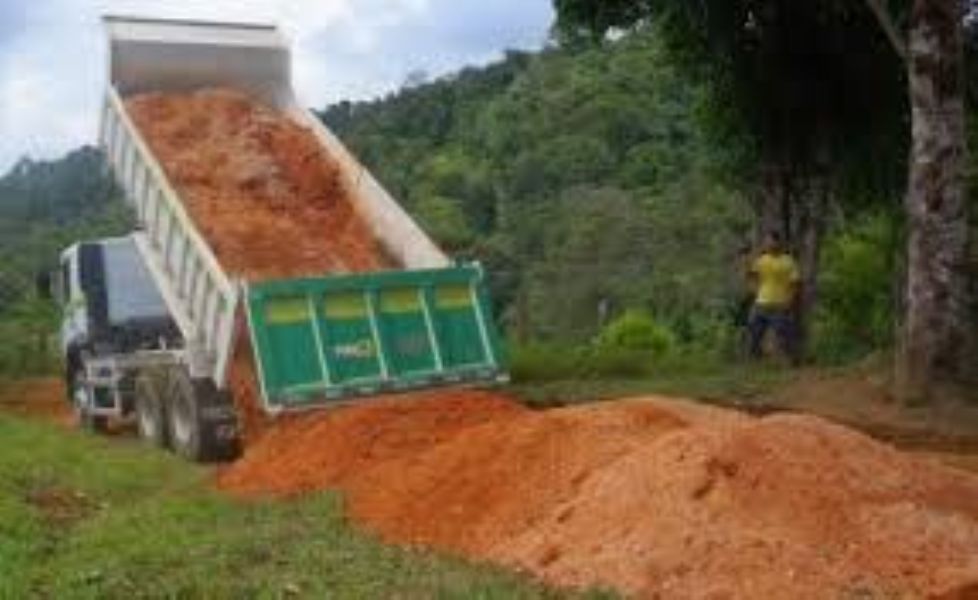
column 317, row 450
column 266, row 197
column 656, row 498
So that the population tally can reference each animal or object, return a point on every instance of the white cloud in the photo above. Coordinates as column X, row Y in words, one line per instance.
column 52, row 53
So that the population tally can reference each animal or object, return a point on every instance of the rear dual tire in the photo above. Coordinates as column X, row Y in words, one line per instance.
column 189, row 416
column 203, row 423
column 151, row 418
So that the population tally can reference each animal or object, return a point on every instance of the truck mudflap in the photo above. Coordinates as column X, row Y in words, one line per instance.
column 326, row 340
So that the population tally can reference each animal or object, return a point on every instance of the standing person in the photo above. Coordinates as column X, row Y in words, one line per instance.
column 775, row 278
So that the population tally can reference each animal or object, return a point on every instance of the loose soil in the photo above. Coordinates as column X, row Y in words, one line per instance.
column 61, row 507
column 262, row 191
column 862, row 398
column 657, row 498
column 265, row 196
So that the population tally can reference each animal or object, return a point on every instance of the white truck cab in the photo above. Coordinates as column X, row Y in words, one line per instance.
column 109, row 298
column 111, row 308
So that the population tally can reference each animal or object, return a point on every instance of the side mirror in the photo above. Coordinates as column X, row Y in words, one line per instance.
column 42, row 283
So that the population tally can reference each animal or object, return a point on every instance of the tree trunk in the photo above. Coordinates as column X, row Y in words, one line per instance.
column 935, row 327
column 812, row 205
column 771, row 207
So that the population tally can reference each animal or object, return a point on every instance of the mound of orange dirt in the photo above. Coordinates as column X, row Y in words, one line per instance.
column 313, row 451
column 656, row 498
column 266, row 197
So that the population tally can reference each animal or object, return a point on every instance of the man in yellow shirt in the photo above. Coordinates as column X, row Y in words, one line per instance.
column 775, row 278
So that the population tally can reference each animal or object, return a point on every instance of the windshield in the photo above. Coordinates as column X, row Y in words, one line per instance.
column 130, row 289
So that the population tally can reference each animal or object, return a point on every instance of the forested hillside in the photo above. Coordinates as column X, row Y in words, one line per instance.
column 44, row 206
column 580, row 178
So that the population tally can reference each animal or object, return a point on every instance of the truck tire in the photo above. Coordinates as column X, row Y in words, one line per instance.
column 81, row 402
column 202, row 421
column 151, row 408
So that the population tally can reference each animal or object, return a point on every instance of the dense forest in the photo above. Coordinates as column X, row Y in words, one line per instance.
column 613, row 200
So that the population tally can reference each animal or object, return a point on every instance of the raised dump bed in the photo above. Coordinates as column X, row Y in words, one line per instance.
column 317, row 339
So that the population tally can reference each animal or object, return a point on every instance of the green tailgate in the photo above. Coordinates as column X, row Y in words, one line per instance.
column 318, row 340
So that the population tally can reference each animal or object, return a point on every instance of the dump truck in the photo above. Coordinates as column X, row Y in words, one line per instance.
column 151, row 320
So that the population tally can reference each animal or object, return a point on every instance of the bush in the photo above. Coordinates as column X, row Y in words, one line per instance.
column 27, row 331
column 856, row 314
column 637, row 331
column 615, row 361
column 544, row 362
column 630, row 346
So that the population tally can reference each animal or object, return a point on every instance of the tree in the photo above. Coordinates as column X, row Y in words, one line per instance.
column 748, row 34
column 935, row 329
column 933, row 343
column 415, row 78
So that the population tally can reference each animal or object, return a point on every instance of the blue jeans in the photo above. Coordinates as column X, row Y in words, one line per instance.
column 782, row 321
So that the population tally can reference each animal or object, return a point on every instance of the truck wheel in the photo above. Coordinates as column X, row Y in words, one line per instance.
column 202, row 422
column 81, row 401
column 150, row 408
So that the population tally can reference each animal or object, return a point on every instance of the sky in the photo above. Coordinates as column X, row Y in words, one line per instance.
column 52, row 52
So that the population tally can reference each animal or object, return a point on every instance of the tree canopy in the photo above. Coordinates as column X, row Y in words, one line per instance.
column 46, row 205
column 812, row 83
column 577, row 176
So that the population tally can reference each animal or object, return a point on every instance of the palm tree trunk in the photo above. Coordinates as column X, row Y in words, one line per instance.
column 935, row 327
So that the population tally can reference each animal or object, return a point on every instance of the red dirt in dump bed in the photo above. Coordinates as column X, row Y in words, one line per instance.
column 660, row 499
column 264, row 194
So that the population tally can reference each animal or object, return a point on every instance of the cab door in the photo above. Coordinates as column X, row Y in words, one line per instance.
column 74, row 314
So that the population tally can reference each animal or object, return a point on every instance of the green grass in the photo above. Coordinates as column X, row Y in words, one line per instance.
column 83, row 517
column 731, row 384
